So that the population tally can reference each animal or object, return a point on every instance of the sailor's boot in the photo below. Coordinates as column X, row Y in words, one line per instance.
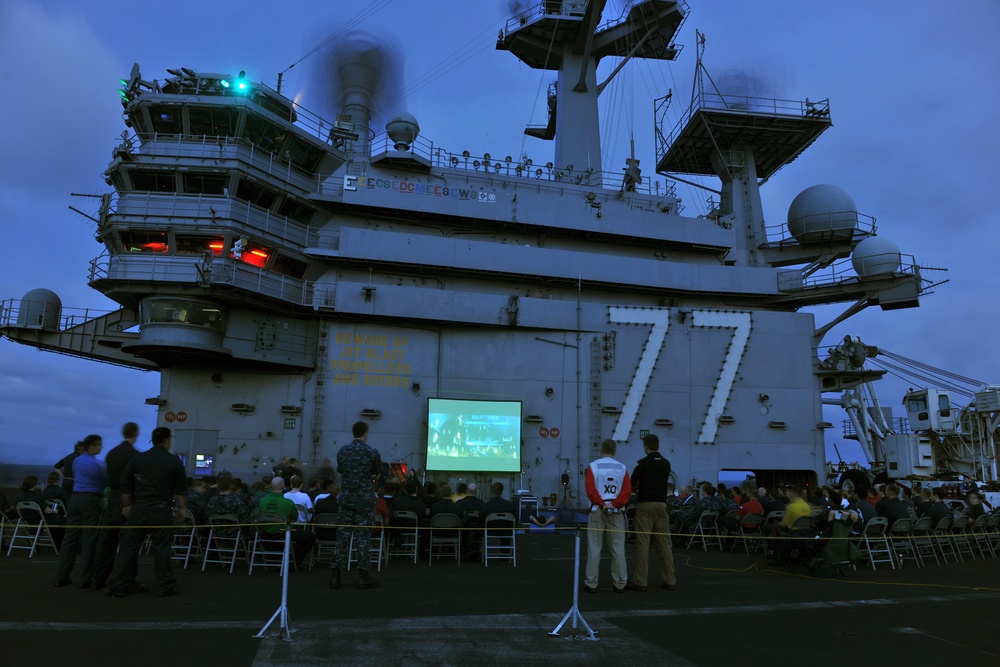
column 365, row 580
column 334, row 578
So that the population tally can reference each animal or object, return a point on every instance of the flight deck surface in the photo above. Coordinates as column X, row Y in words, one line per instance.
column 727, row 607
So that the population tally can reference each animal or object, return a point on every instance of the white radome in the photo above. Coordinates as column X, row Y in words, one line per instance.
column 822, row 213
column 876, row 255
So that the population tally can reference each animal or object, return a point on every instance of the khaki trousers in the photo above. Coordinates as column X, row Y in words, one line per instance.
column 651, row 520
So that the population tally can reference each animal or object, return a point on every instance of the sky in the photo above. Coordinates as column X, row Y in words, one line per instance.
column 914, row 141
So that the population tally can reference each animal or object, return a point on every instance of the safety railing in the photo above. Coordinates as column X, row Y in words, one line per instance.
column 824, row 227
column 487, row 166
column 38, row 314
column 735, row 104
column 872, row 266
column 206, row 147
column 193, row 269
column 216, row 208
column 570, row 9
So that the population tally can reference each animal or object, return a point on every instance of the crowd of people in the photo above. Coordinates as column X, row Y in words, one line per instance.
column 86, row 503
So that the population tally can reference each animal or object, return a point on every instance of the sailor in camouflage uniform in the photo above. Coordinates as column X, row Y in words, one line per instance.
column 229, row 502
column 358, row 464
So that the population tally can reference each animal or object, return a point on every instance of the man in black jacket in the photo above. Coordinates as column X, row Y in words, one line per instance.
column 891, row 507
column 651, row 480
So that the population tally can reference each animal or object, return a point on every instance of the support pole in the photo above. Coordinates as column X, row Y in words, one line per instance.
column 574, row 611
column 284, row 630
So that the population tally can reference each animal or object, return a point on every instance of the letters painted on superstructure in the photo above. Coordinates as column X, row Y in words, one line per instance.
column 395, row 186
column 370, row 359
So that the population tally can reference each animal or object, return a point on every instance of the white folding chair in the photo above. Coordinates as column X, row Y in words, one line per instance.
column 748, row 532
column 980, row 537
column 901, row 539
column 706, row 531
column 268, row 549
column 446, row 537
column 30, row 534
column 377, row 544
column 404, row 534
column 961, row 538
column 499, row 538
column 993, row 531
column 873, row 543
column 325, row 528
column 923, row 543
column 186, row 540
column 225, row 541
column 941, row 534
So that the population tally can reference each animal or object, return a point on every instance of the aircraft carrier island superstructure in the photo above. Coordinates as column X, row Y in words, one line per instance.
column 289, row 275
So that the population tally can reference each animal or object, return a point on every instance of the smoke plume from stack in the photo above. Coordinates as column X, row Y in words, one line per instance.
column 361, row 74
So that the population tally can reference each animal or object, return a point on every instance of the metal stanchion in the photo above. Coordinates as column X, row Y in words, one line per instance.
column 574, row 611
column 284, row 629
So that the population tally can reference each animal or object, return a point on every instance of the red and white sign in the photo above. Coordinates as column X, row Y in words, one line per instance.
column 182, row 416
column 553, row 432
column 170, row 416
column 544, row 432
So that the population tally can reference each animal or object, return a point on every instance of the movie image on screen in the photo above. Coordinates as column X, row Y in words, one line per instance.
column 473, row 436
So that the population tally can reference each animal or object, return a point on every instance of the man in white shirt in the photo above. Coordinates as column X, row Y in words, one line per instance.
column 297, row 496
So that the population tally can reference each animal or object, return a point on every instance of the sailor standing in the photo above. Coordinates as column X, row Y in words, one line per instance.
column 358, row 464
column 609, row 489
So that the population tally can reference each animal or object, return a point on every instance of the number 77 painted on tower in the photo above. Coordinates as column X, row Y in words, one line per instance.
column 739, row 321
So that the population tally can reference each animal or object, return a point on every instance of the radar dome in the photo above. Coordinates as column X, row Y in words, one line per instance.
column 822, row 213
column 40, row 309
column 402, row 130
column 875, row 256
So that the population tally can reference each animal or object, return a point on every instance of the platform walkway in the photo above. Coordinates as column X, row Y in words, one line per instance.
column 728, row 607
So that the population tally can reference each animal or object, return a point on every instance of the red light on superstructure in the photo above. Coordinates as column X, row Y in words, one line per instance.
column 155, row 247
column 256, row 257
column 216, row 248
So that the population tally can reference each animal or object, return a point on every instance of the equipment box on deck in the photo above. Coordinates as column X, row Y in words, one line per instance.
column 527, row 506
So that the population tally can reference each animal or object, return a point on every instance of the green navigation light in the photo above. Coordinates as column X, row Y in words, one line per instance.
column 225, row 84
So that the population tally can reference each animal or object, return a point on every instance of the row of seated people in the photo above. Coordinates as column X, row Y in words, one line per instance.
column 232, row 500
column 794, row 517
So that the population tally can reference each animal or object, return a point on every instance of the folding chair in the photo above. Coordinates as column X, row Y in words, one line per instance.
column 404, row 535
column 748, row 533
column 941, row 534
column 770, row 522
column 961, row 538
column 6, row 529
column 901, row 540
column 803, row 523
column 923, row 543
column 225, row 541
column 706, row 531
column 993, row 530
column 303, row 511
column 186, row 540
column 325, row 528
column 377, row 545
column 268, row 549
column 445, row 537
column 34, row 534
column 874, row 545
column 499, row 540
column 57, row 505
column 979, row 534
